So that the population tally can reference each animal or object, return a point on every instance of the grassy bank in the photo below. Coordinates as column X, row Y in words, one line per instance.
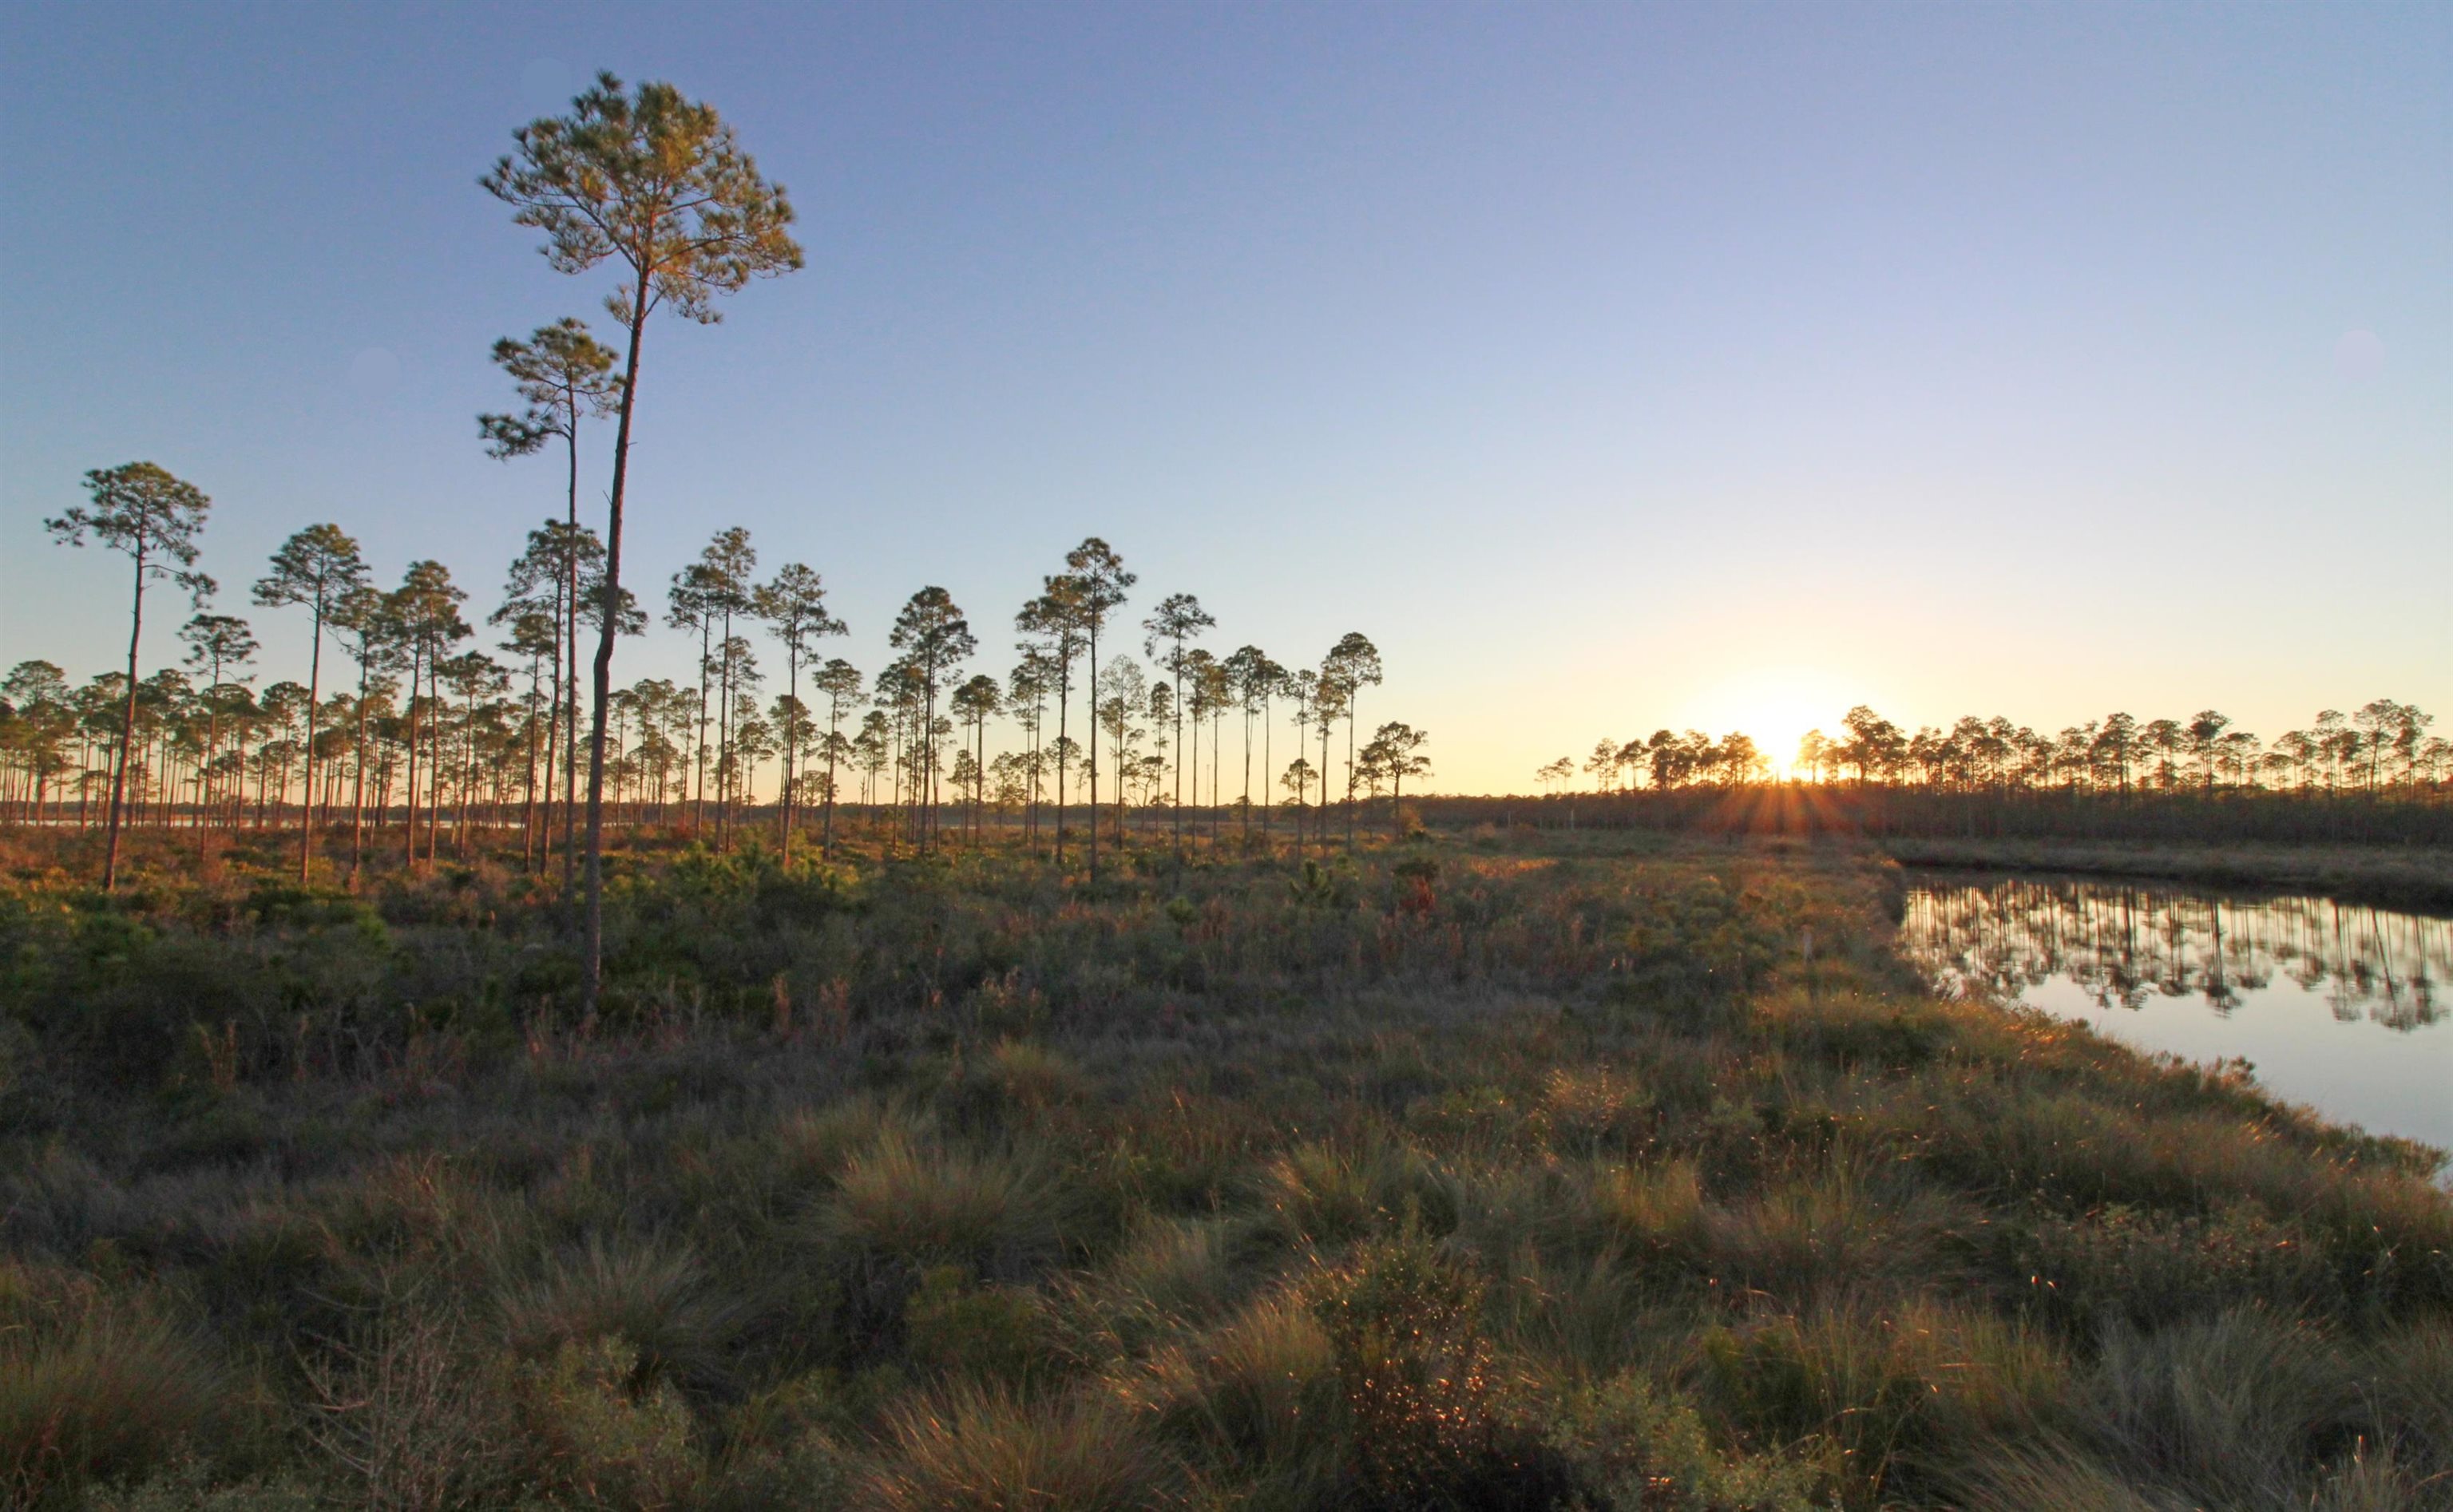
column 1456, row 1175
column 2414, row 878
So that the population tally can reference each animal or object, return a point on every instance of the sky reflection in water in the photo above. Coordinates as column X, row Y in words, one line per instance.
column 2338, row 1006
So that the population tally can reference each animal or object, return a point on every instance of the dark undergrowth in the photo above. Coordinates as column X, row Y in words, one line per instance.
column 1453, row 1175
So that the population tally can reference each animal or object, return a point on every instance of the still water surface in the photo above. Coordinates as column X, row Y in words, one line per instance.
column 2338, row 1006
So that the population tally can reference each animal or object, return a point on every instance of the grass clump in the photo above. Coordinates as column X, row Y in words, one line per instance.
column 1880, row 1394
column 905, row 1202
column 92, row 1391
column 651, row 1301
column 971, row 1447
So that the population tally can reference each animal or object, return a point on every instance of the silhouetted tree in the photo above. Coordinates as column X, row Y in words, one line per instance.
column 364, row 620
column 425, row 611
column 1395, row 754
column 975, row 703
column 536, row 639
column 560, row 570
column 841, row 682
column 141, row 510
column 691, row 601
column 659, row 184
column 1026, row 688
column 314, row 569
column 1253, row 680
column 565, row 375
column 934, row 638
column 1352, row 665
column 1178, row 620
column 1561, row 772
column 1119, row 695
column 794, row 605
column 1052, row 624
column 1097, row 583
column 217, row 644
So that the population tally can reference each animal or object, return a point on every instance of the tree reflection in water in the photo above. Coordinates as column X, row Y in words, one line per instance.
column 2125, row 944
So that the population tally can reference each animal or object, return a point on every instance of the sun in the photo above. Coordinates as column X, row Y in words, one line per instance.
column 1775, row 707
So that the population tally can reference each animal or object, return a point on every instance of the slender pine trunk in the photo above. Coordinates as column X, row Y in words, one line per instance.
column 127, row 732
column 698, row 804
column 791, row 735
column 306, row 789
column 1064, row 707
column 566, row 675
column 408, row 794
column 591, row 974
column 834, row 729
column 1094, row 746
column 358, row 798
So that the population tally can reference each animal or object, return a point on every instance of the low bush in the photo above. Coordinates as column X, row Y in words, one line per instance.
column 1424, row 1410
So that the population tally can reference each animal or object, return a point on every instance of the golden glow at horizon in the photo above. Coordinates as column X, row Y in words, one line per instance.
column 1775, row 707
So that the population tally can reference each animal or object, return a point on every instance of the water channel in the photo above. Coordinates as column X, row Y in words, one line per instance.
column 2338, row 1006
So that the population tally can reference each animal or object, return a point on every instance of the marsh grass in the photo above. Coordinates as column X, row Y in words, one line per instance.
column 970, row 1447
column 1449, row 1174
column 95, row 1387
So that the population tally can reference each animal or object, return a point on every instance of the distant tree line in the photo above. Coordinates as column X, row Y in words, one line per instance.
column 2381, row 750
column 2373, row 775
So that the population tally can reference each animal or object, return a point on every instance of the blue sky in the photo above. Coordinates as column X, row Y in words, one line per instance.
column 1612, row 367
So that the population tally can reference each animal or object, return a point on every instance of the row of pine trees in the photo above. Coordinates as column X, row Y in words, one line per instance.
column 444, row 740
column 2383, row 749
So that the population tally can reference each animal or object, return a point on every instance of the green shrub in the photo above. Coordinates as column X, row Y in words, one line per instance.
column 189, row 1486
column 603, row 1431
column 653, row 1298
column 1695, row 942
column 1168, row 1277
column 1589, row 1109
column 2056, row 1475
column 1425, row 1423
column 1016, row 1081
column 1635, row 1447
column 410, row 1413
column 994, row 1333
column 1655, row 1210
column 2234, row 1410
column 2408, row 1378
